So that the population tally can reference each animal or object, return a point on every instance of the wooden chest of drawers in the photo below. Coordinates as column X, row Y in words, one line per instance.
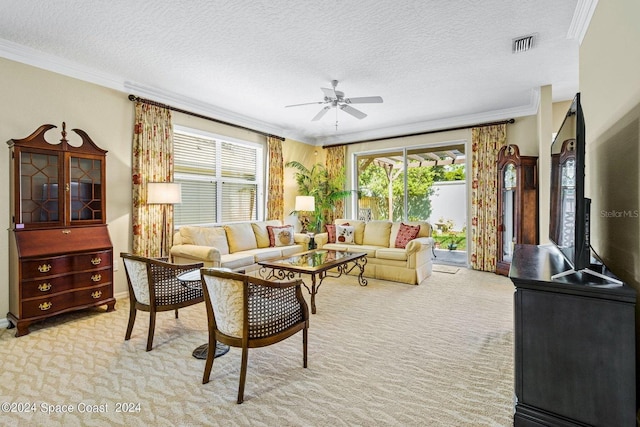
column 59, row 270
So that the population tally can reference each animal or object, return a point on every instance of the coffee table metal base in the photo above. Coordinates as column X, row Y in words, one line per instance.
column 273, row 272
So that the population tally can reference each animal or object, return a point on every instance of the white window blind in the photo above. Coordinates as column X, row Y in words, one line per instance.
column 221, row 180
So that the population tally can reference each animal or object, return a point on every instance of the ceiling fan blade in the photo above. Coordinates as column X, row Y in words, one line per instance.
column 364, row 100
column 306, row 103
column 355, row 113
column 321, row 113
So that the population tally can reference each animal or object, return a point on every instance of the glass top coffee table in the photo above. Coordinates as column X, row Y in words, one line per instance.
column 316, row 263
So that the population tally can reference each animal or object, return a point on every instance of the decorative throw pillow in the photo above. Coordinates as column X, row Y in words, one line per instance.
column 280, row 235
column 331, row 232
column 406, row 233
column 344, row 233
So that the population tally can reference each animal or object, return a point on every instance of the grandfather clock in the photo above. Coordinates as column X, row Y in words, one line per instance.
column 517, row 204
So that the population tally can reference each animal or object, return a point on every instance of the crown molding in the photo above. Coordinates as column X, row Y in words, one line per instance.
column 39, row 59
column 433, row 125
column 46, row 61
column 581, row 18
column 186, row 103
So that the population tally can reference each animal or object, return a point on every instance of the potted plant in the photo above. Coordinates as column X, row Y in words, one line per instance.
column 315, row 182
column 454, row 241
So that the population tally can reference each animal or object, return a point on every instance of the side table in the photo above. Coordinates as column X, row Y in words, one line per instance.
column 192, row 278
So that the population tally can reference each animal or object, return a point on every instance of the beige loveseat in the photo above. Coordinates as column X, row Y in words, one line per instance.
column 377, row 239
column 238, row 246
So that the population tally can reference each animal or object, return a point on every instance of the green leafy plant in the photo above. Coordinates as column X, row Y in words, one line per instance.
column 315, row 182
column 452, row 240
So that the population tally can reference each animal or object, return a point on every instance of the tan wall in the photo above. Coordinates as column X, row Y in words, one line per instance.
column 559, row 113
column 32, row 97
column 610, row 92
column 306, row 154
column 524, row 134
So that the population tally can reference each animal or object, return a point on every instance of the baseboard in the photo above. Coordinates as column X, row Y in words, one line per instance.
column 4, row 323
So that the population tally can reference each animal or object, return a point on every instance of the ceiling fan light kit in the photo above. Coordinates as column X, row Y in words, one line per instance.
column 335, row 99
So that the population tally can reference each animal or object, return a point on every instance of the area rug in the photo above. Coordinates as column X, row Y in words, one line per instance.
column 445, row 269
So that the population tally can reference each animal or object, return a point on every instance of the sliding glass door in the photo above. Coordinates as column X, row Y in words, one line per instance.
column 397, row 185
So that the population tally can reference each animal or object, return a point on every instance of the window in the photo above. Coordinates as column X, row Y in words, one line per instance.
column 221, row 178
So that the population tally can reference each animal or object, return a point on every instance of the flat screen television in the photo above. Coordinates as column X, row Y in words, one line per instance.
column 569, row 220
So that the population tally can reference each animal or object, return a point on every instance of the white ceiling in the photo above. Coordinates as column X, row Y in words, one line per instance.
column 435, row 63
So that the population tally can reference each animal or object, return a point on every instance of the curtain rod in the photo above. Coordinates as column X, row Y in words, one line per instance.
column 508, row 121
column 200, row 116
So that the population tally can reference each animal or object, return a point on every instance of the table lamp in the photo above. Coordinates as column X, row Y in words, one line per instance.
column 305, row 204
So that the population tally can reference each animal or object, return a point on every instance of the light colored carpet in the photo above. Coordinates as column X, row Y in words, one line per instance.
column 389, row 354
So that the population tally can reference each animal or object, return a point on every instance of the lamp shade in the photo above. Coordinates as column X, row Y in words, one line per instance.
column 305, row 203
column 167, row 193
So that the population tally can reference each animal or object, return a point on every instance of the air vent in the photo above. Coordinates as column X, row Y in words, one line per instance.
column 522, row 44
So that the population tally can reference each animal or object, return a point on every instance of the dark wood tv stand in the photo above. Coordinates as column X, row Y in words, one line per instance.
column 575, row 352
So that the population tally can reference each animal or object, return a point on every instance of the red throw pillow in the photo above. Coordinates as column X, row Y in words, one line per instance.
column 406, row 233
column 331, row 232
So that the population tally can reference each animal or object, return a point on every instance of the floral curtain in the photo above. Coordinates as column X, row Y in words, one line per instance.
column 152, row 162
column 485, row 143
column 335, row 168
column 275, row 194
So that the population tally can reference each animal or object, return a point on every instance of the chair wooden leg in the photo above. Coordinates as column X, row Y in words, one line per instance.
column 304, row 347
column 243, row 373
column 132, row 320
column 176, row 313
column 211, row 354
column 152, row 327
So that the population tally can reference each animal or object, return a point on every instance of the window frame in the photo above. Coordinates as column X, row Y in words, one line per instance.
column 217, row 178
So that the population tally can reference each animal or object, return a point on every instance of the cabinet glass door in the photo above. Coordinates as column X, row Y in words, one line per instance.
column 39, row 193
column 85, row 189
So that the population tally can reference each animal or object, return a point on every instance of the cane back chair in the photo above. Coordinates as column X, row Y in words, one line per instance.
column 154, row 286
column 249, row 312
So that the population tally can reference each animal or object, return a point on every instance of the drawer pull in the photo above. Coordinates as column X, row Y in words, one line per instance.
column 96, row 261
column 44, row 268
column 45, row 306
column 96, row 277
column 44, row 287
column 96, row 294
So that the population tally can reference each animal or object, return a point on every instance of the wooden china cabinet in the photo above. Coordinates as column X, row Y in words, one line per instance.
column 61, row 256
column 517, row 204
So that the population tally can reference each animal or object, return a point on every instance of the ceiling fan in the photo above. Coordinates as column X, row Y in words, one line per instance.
column 335, row 99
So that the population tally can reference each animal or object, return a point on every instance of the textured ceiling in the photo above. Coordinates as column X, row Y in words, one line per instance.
column 435, row 63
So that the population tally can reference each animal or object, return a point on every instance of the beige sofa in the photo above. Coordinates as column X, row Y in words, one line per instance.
column 411, row 264
column 237, row 246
